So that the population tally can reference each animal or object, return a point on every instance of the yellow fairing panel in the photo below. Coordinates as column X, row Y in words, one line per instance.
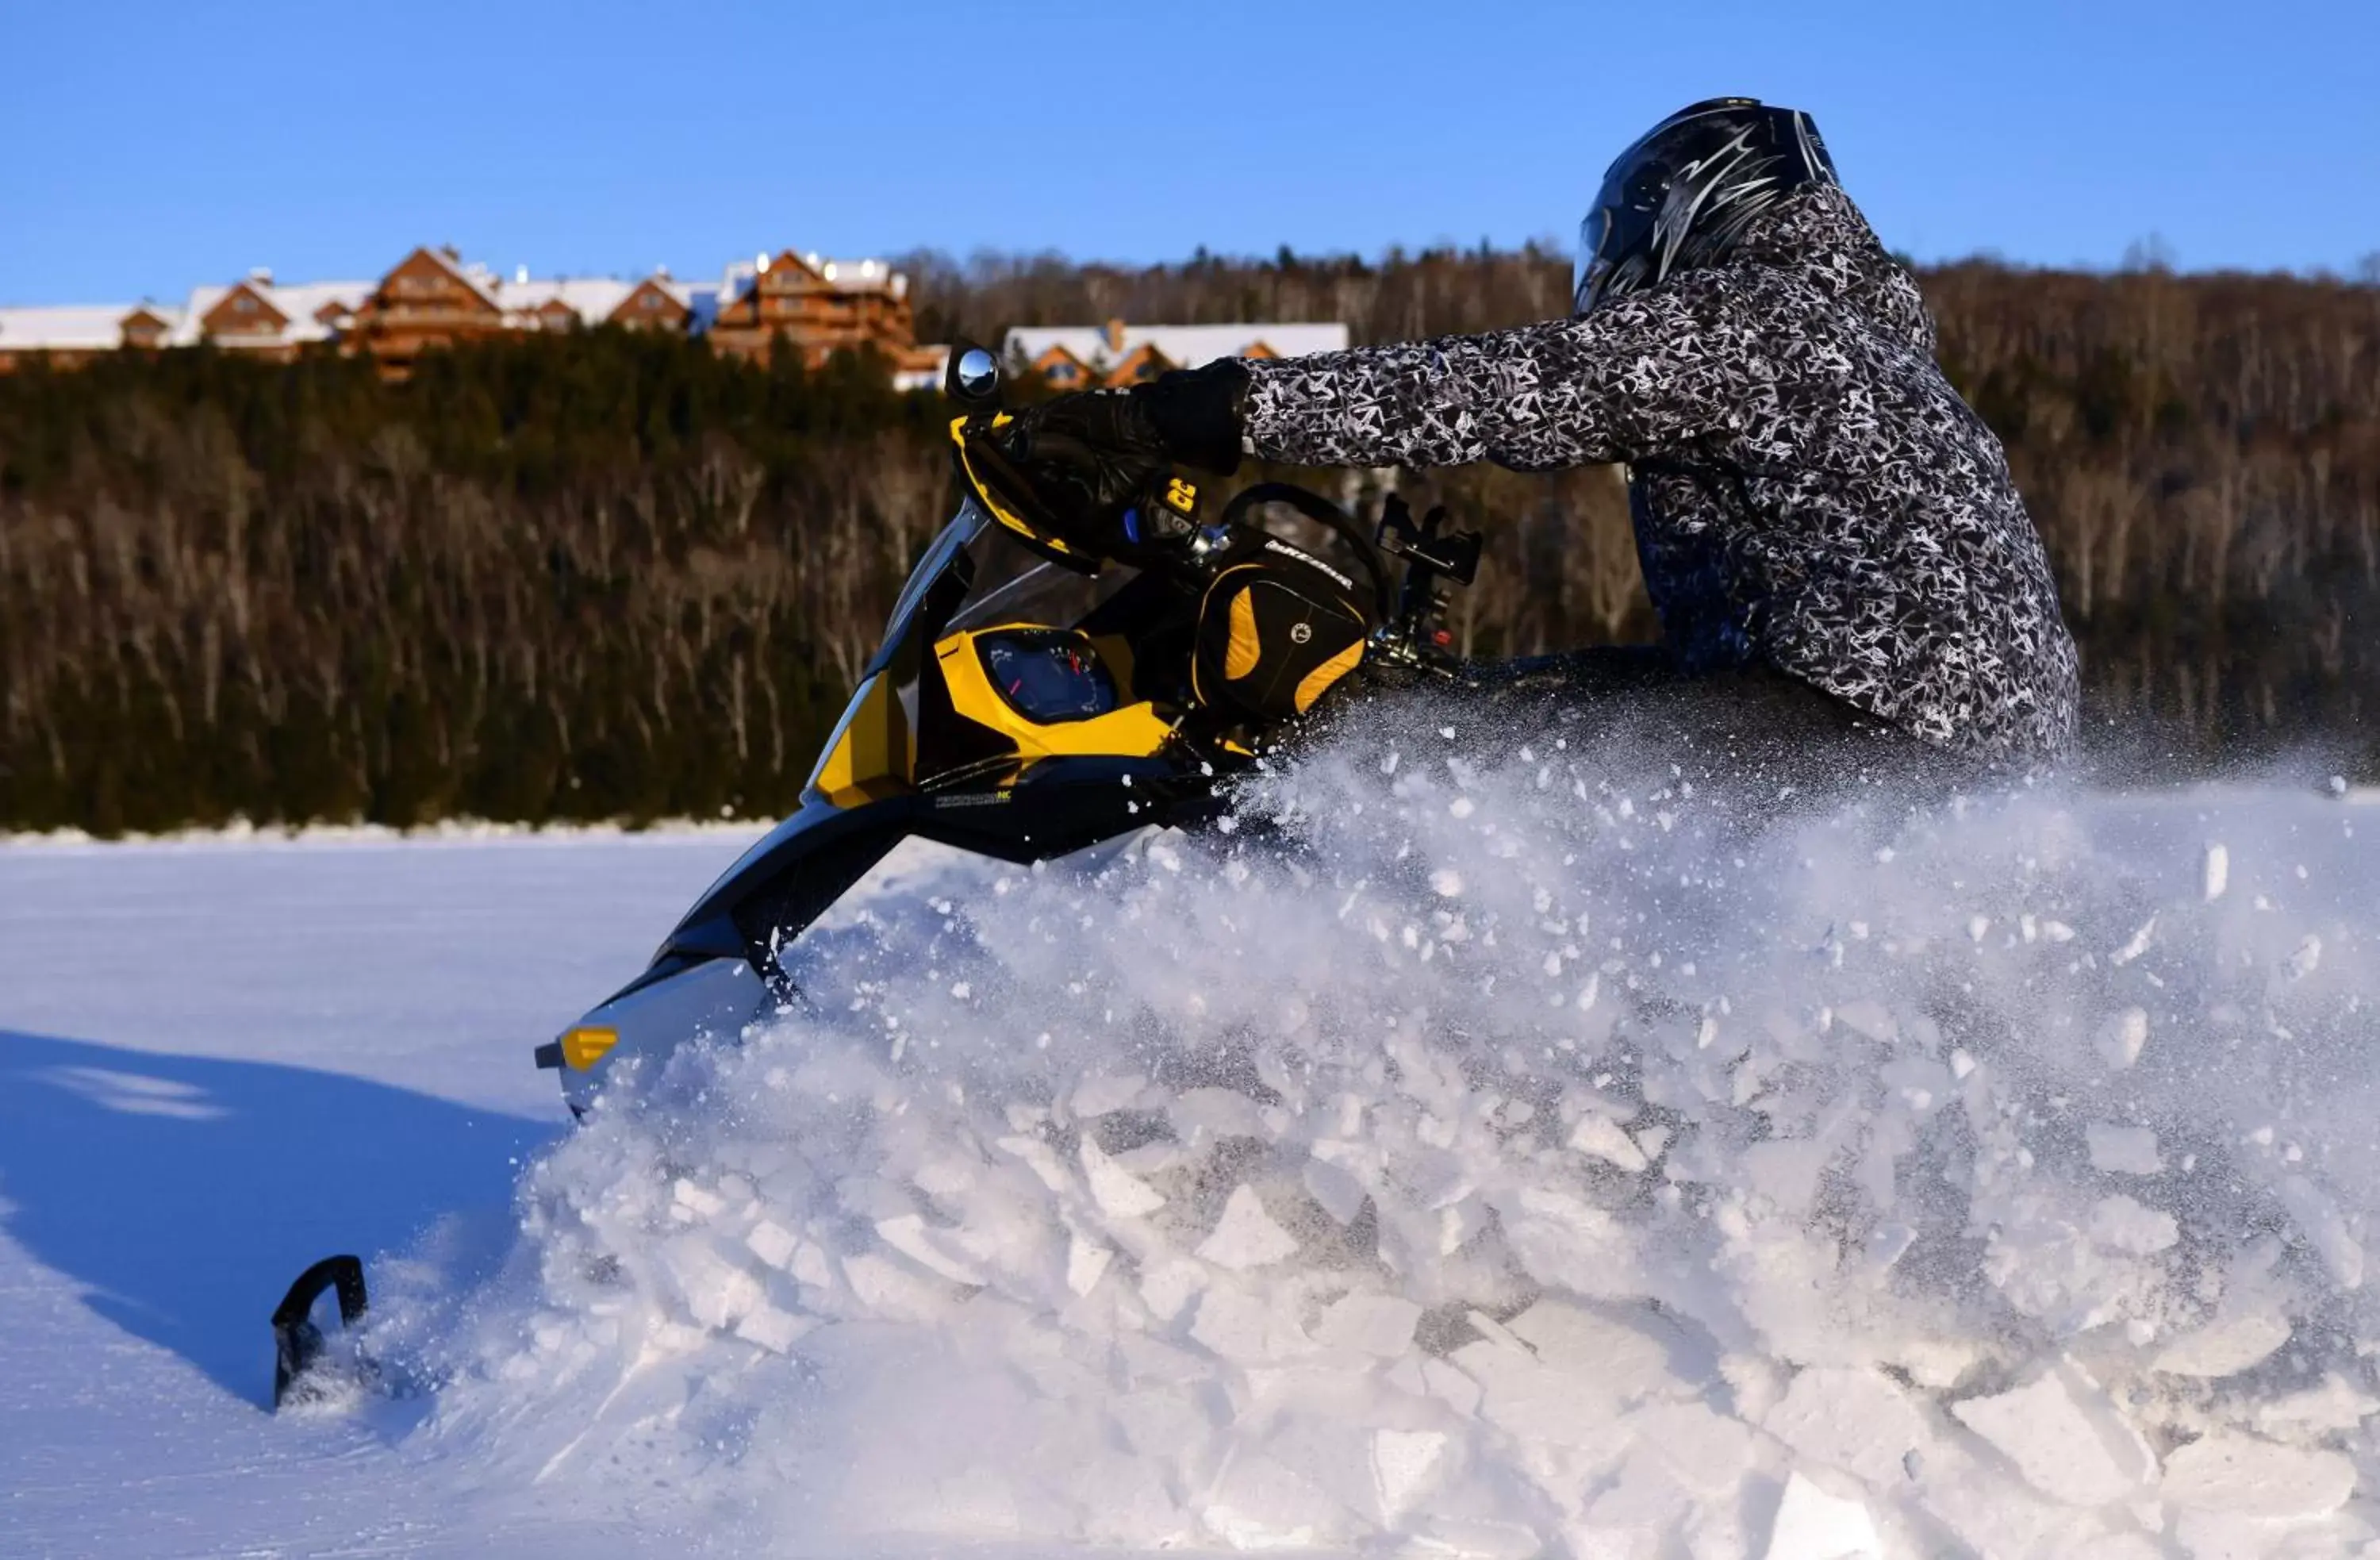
column 1317, row 682
column 1132, row 731
column 1246, row 648
column 868, row 758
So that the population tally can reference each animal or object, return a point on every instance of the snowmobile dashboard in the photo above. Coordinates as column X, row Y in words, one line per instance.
column 1048, row 674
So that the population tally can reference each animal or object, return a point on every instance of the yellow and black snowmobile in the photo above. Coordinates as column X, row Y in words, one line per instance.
column 1036, row 693
column 1040, row 688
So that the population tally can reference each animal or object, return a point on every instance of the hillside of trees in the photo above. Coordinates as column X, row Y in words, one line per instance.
column 608, row 574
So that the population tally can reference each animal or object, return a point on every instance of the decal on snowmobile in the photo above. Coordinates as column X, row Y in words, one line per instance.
column 980, row 798
column 1275, row 544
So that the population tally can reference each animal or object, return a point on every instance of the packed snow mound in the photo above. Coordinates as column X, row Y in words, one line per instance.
column 1500, row 1153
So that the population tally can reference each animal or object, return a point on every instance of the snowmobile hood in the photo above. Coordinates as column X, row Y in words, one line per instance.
column 1820, row 235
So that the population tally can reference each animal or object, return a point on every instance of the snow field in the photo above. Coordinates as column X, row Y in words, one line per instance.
column 1506, row 1156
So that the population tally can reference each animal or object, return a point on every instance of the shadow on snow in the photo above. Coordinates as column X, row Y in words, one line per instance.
column 185, row 1192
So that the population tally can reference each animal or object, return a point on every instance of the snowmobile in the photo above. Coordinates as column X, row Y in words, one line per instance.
column 1042, row 686
column 1036, row 693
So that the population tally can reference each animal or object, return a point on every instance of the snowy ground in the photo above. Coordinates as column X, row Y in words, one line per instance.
column 221, row 1060
column 1539, row 1162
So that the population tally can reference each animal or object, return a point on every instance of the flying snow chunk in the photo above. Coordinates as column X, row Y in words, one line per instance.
column 773, row 1244
column 1368, row 1324
column 2308, row 958
column 1706, row 1450
column 2122, row 1037
column 909, row 1236
column 717, row 1293
column 776, row 1331
column 886, row 1287
column 2122, row 1224
column 1446, row 883
column 1599, row 1137
column 1260, row 1503
column 1246, row 1329
column 2067, row 1438
column 1403, row 1464
column 1119, row 1193
column 2317, row 1216
column 1086, row 1262
column 2223, row 1346
column 2122, row 1151
column 1246, row 1236
column 2217, row 873
column 1856, row 1420
column 2243, row 1476
column 1814, row 1525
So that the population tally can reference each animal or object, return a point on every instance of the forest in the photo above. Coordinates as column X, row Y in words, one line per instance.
column 612, row 575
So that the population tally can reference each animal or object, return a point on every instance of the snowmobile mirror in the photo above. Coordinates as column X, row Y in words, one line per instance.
column 975, row 375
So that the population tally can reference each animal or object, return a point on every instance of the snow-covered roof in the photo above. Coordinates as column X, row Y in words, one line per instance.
column 299, row 303
column 1184, row 347
column 592, row 299
column 73, row 327
column 843, row 275
column 520, row 298
column 303, row 300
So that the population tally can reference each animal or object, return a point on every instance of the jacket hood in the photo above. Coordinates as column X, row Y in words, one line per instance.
column 1820, row 235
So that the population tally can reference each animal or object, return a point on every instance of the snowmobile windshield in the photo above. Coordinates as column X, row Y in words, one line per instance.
column 976, row 576
column 946, row 559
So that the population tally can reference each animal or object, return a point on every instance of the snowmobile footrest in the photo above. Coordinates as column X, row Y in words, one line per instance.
column 298, row 1343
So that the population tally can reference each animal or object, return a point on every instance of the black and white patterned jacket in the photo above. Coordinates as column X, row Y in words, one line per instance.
column 1807, row 488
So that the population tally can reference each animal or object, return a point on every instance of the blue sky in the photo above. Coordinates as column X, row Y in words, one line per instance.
column 147, row 146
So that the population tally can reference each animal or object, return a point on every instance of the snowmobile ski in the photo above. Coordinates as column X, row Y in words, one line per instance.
column 298, row 1343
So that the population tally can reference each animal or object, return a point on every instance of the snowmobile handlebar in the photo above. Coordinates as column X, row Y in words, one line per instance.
column 1405, row 607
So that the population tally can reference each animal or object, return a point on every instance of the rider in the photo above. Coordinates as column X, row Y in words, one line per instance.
column 1810, row 495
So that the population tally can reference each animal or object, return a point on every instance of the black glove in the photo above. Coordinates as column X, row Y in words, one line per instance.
column 1092, row 455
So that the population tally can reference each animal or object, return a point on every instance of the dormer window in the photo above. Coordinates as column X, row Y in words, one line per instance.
column 1059, row 373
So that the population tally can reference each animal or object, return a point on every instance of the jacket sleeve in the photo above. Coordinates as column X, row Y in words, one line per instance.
column 1644, row 373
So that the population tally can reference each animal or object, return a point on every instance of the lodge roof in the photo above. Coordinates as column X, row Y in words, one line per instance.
column 73, row 327
column 843, row 275
column 1184, row 347
column 592, row 299
column 296, row 302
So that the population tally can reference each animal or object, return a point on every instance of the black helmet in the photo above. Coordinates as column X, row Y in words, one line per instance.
column 1680, row 197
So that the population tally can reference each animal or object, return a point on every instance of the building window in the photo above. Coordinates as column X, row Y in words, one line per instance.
column 243, row 304
column 1061, row 374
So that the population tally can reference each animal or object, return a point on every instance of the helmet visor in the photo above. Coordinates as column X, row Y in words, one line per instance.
column 1591, row 269
column 1614, row 241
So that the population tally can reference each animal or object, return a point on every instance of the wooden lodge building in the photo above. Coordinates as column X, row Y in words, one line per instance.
column 431, row 299
column 1085, row 357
